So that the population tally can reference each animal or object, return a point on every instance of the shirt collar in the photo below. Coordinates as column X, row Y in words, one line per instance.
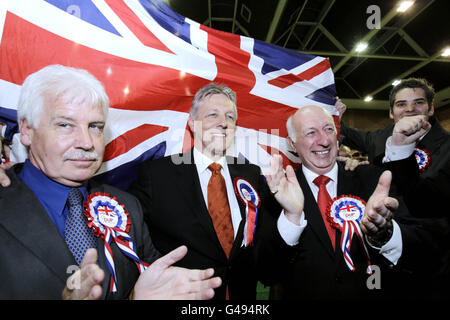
column 311, row 175
column 51, row 194
column 202, row 161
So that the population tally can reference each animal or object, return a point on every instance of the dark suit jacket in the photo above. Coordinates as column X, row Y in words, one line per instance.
column 35, row 258
column 425, row 196
column 176, row 214
column 436, row 142
column 372, row 143
column 312, row 270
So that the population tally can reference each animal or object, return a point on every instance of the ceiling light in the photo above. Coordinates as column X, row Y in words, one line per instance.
column 396, row 82
column 368, row 98
column 360, row 47
column 404, row 5
column 446, row 52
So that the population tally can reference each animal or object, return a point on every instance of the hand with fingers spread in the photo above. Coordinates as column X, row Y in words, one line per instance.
column 162, row 281
column 286, row 189
column 377, row 220
column 409, row 129
column 351, row 164
column 85, row 283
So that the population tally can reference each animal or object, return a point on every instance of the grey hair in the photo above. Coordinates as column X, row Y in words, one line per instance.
column 290, row 129
column 71, row 84
column 208, row 90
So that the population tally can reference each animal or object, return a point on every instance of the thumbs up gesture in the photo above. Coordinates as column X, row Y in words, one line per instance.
column 377, row 220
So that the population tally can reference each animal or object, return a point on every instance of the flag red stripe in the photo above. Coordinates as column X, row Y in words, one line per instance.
column 289, row 79
column 136, row 26
column 130, row 139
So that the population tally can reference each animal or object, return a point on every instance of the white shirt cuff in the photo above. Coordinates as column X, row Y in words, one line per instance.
column 394, row 153
column 290, row 232
column 392, row 250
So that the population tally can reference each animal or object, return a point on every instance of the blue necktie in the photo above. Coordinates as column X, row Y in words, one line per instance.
column 77, row 234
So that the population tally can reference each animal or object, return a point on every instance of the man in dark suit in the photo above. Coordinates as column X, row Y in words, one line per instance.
column 409, row 98
column 425, row 196
column 400, row 159
column 44, row 236
column 313, row 263
column 176, row 197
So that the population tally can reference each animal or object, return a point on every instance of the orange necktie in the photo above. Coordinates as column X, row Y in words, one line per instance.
column 323, row 199
column 219, row 209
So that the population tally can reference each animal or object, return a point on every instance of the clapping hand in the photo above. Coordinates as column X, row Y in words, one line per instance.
column 286, row 189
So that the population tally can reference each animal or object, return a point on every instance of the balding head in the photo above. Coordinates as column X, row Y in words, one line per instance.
column 312, row 134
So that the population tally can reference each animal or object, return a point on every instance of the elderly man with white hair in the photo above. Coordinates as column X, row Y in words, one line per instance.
column 54, row 220
column 349, row 226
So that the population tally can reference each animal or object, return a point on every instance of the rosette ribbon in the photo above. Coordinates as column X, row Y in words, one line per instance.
column 110, row 221
column 249, row 197
column 345, row 213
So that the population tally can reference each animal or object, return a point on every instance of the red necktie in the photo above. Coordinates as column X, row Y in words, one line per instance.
column 219, row 209
column 323, row 199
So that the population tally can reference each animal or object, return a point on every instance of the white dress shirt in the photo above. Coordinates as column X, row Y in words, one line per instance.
column 202, row 162
column 394, row 153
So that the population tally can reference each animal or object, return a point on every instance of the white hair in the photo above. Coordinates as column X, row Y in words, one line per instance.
column 290, row 129
column 57, row 81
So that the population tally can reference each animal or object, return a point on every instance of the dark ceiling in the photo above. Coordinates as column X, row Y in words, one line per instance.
column 407, row 44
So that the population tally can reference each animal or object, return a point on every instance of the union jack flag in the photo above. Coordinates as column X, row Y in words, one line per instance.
column 151, row 61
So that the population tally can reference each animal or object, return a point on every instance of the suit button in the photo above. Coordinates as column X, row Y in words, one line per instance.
column 339, row 279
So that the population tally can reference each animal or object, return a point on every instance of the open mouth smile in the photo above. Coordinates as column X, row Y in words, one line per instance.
column 321, row 152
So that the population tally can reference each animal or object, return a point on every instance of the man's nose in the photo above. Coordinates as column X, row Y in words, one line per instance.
column 410, row 106
column 84, row 139
column 322, row 139
column 222, row 121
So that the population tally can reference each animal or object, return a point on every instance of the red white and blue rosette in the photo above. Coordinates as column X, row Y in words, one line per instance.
column 249, row 197
column 110, row 221
column 423, row 158
column 345, row 213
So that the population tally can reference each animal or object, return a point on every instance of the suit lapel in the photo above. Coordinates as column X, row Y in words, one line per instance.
column 101, row 257
column 238, row 171
column 35, row 230
column 434, row 138
column 349, row 184
column 346, row 183
column 313, row 215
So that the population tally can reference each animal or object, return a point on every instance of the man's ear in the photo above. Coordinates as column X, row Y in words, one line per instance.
column 26, row 133
column 431, row 111
column 391, row 115
column 291, row 144
column 191, row 124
